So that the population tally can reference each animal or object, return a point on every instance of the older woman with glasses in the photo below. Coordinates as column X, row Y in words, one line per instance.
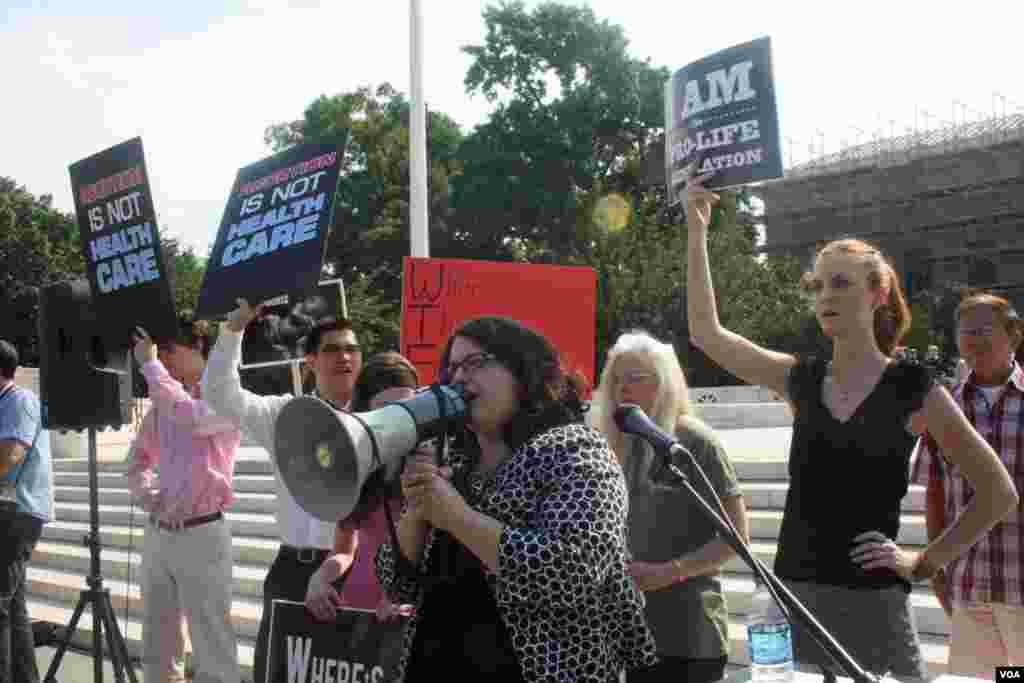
column 529, row 521
column 676, row 564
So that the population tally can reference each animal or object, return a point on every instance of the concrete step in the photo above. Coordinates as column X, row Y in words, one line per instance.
column 243, row 483
column 766, row 524
column 42, row 609
column 725, row 416
column 242, row 523
column 64, row 588
column 124, row 565
column 259, row 503
column 247, row 549
column 771, row 495
column 250, row 460
column 928, row 613
column 934, row 649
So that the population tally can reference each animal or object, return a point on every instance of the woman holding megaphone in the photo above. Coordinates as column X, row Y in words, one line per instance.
column 529, row 520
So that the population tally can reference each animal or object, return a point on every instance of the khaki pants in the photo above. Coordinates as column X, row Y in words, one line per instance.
column 189, row 571
column 986, row 635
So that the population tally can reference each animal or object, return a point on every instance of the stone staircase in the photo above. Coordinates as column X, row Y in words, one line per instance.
column 61, row 562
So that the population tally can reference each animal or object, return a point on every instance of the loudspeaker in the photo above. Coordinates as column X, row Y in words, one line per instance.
column 326, row 456
column 81, row 383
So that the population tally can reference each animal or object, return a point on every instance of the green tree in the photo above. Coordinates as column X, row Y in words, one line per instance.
column 38, row 246
column 370, row 234
column 574, row 111
column 577, row 122
column 185, row 271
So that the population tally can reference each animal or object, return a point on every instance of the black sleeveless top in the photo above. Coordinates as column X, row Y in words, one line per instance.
column 846, row 477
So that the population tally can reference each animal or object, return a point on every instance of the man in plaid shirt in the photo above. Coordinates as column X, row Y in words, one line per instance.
column 983, row 591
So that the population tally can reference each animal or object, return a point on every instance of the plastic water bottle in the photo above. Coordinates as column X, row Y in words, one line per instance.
column 770, row 640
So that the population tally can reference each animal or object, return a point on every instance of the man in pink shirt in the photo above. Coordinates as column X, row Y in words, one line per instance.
column 187, row 556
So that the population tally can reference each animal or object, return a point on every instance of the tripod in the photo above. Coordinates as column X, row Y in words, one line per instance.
column 97, row 597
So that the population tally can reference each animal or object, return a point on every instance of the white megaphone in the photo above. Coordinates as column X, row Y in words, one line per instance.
column 325, row 455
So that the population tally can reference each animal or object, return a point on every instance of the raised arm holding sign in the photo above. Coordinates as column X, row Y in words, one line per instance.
column 121, row 244
column 720, row 117
column 271, row 239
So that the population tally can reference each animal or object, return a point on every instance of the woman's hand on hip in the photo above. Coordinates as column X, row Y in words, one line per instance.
column 875, row 550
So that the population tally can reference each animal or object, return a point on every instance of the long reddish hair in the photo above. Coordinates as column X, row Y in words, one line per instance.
column 892, row 318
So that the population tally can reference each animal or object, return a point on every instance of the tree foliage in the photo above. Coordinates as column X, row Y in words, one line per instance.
column 574, row 123
column 38, row 246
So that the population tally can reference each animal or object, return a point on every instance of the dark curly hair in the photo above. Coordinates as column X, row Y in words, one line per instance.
column 550, row 393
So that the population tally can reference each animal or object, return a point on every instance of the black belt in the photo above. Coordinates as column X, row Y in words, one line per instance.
column 189, row 523
column 307, row 555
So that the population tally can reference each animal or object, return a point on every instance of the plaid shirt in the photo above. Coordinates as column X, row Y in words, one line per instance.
column 992, row 570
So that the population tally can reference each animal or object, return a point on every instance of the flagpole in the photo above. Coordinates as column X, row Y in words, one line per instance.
column 418, row 234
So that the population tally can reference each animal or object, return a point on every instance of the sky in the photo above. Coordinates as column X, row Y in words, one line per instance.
column 200, row 80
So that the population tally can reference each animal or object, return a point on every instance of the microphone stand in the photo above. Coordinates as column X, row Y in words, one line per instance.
column 786, row 601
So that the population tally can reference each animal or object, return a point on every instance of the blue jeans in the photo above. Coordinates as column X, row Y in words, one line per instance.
column 18, row 536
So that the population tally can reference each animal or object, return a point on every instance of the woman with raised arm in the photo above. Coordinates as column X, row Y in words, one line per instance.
column 857, row 415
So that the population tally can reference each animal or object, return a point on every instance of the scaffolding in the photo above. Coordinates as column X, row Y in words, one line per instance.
column 902, row 149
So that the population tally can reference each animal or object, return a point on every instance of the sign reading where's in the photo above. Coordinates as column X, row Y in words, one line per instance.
column 271, row 239
column 121, row 244
column 355, row 648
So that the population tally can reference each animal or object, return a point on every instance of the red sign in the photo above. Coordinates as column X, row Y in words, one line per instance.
column 440, row 294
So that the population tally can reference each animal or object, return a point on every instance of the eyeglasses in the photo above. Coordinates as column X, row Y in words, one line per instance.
column 471, row 363
column 341, row 348
column 983, row 332
column 635, row 377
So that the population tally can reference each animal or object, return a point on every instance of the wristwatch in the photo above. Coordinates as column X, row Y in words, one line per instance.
column 923, row 570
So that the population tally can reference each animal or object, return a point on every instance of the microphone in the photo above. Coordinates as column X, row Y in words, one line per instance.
column 631, row 419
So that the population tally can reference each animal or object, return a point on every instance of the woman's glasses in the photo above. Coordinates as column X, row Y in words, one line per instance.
column 635, row 377
column 471, row 363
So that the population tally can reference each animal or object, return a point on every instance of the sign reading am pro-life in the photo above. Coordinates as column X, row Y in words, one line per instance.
column 121, row 243
column 271, row 239
column 721, row 118
column 440, row 294
column 354, row 648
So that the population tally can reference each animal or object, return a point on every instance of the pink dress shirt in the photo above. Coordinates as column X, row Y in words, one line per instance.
column 193, row 449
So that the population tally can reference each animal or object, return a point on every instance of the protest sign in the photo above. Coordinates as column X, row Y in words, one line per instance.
column 121, row 244
column 271, row 239
column 440, row 294
column 721, row 118
column 355, row 647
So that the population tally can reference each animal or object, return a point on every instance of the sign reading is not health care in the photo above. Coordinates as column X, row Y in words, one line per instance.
column 272, row 236
column 721, row 118
column 119, row 237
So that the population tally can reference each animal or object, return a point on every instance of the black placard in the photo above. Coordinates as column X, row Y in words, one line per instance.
column 355, row 647
column 721, row 118
column 121, row 243
column 271, row 238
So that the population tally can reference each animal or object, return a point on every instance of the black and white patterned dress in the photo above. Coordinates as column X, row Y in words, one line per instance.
column 562, row 589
